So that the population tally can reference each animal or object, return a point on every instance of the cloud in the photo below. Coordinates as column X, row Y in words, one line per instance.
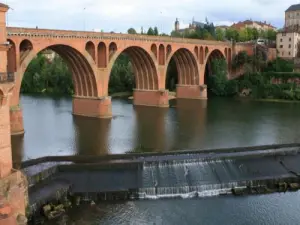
column 119, row 15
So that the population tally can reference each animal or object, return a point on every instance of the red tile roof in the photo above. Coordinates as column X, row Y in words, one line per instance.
column 240, row 25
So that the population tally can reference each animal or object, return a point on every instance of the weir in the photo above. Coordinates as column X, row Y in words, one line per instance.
column 165, row 176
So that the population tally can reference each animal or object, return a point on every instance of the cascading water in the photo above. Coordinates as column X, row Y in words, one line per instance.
column 189, row 178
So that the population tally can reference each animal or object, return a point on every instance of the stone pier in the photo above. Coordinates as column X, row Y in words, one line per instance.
column 92, row 107
column 155, row 98
column 191, row 92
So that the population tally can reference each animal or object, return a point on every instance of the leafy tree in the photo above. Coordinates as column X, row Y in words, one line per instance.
column 255, row 33
column 220, row 34
column 232, row 34
column 150, row 31
column 131, row 31
column 271, row 34
column 155, row 30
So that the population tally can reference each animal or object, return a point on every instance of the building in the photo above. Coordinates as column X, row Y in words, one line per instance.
column 287, row 44
column 253, row 24
column 192, row 26
column 292, row 16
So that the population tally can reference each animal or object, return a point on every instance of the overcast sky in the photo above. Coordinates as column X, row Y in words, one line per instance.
column 119, row 15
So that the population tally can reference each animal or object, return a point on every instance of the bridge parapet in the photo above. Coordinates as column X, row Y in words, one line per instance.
column 44, row 33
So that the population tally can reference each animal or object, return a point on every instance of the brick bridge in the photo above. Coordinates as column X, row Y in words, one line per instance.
column 90, row 57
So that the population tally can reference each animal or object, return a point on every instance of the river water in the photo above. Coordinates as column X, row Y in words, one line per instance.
column 52, row 130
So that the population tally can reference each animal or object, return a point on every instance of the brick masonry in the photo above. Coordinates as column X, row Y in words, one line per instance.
column 151, row 98
column 191, row 92
column 16, row 121
column 97, row 107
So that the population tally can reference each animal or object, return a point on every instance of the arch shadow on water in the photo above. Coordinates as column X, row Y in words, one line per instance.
column 92, row 135
column 150, row 131
column 191, row 119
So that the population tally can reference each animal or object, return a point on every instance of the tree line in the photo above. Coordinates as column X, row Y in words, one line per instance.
column 210, row 32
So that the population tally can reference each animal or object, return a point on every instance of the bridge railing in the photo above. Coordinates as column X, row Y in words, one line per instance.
column 31, row 32
column 7, row 77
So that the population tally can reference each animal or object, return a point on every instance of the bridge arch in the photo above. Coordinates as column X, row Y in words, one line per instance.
column 215, row 54
column 102, row 55
column 24, row 48
column 112, row 49
column 83, row 75
column 12, row 57
column 186, row 65
column 162, row 55
column 90, row 48
column 143, row 65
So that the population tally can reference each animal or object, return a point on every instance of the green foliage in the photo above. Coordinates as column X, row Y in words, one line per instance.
column 220, row 34
column 218, row 84
column 155, row 30
column 131, row 31
column 280, row 65
column 43, row 76
column 121, row 77
column 150, row 31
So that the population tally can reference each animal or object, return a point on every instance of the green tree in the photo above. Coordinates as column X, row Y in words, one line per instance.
column 155, row 31
column 271, row 34
column 150, row 31
column 255, row 33
column 131, row 31
column 232, row 34
column 220, row 34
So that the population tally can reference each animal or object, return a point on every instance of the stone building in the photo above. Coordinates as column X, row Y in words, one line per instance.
column 253, row 24
column 287, row 44
column 192, row 26
column 292, row 16
column 288, row 38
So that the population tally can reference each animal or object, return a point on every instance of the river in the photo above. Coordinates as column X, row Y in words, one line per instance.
column 52, row 130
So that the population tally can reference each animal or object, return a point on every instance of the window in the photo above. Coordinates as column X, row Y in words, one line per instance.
column 290, row 45
column 280, row 39
column 290, row 39
column 282, row 53
column 281, row 46
column 289, row 53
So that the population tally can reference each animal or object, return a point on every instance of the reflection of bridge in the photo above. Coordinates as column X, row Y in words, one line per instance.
column 90, row 57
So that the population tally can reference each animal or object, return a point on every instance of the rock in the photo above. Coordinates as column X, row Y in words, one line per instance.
column 245, row 92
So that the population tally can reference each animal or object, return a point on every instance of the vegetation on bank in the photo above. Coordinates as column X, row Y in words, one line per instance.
column 54, row 77
column 261, row 80
column 210, row 32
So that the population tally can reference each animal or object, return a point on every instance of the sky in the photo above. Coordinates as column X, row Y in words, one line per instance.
column 119, row 15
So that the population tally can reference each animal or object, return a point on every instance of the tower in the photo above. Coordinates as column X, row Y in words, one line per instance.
column 176, row 25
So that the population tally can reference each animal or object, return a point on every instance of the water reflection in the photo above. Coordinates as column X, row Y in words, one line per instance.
column 52, row 130
column 150, row 131
column 91, row 135
column 191, row 119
